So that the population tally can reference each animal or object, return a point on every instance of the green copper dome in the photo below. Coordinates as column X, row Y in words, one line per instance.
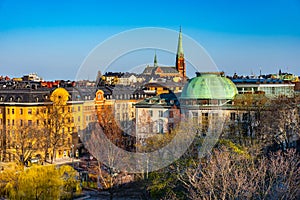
column 209, row 86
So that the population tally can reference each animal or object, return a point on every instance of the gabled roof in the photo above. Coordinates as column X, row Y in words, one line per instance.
column 160, row 69
column 169, row 70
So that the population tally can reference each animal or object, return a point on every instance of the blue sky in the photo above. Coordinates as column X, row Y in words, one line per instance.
column 53, row 38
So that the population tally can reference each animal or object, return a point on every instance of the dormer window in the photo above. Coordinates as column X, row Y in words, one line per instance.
column 162, row 101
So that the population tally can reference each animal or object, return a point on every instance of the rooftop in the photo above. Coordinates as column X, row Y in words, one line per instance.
column 209, row 86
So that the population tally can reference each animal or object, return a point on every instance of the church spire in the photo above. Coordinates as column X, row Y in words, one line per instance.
column 180, row 63
column 179, row 47
column 155, row 60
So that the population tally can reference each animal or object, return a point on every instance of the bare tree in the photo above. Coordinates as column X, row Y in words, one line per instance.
column 242, row 127
column 105, row 131
column 228, row 175
column 24, row 141
column 110, row 126
column 56, row 125
column 280, row 122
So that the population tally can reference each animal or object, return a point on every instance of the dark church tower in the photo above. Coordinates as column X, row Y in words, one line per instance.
column 180, row 64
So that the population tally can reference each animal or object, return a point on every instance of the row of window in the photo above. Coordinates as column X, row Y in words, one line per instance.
column 124, row 106
column 89, row 118
column 161, row 113
column 191, row 102
column 204, row 116
column 87, row 108
column 30, row 112
column 71, row 108
column 158, row 126
column 21, row 122
column 283, row 90
column 288, row 90
column 12, row 111
column 29, row 122
column 245, row 116
column 126, row 96
column 233, row 116
column 124, row 116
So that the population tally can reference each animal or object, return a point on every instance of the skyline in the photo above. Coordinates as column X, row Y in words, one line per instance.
column 53, row 39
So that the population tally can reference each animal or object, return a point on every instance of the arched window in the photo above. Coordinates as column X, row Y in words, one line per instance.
column 19, row 99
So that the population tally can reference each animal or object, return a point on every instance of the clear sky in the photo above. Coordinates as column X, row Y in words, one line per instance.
column 53, row 37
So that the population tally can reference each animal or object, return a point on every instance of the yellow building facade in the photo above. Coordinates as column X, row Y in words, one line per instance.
column 46, row 129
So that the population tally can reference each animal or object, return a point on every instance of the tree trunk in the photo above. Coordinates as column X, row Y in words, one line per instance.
column 53, row 155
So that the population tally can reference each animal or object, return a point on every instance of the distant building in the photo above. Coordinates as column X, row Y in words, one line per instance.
column 207, row 101
column 210, row 103
column 271, row 87
column 157, row 114
column 157, row 88
column 201, row 101
column 128, row 79
column 25, row 104
column 179, row 70
column 32, row 77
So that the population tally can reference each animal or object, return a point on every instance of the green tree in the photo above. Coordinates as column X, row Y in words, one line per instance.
column 39, row 182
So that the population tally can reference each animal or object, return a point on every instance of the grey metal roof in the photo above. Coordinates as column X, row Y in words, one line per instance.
column 25, row 95
column 162, row 100
column 164, row 69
